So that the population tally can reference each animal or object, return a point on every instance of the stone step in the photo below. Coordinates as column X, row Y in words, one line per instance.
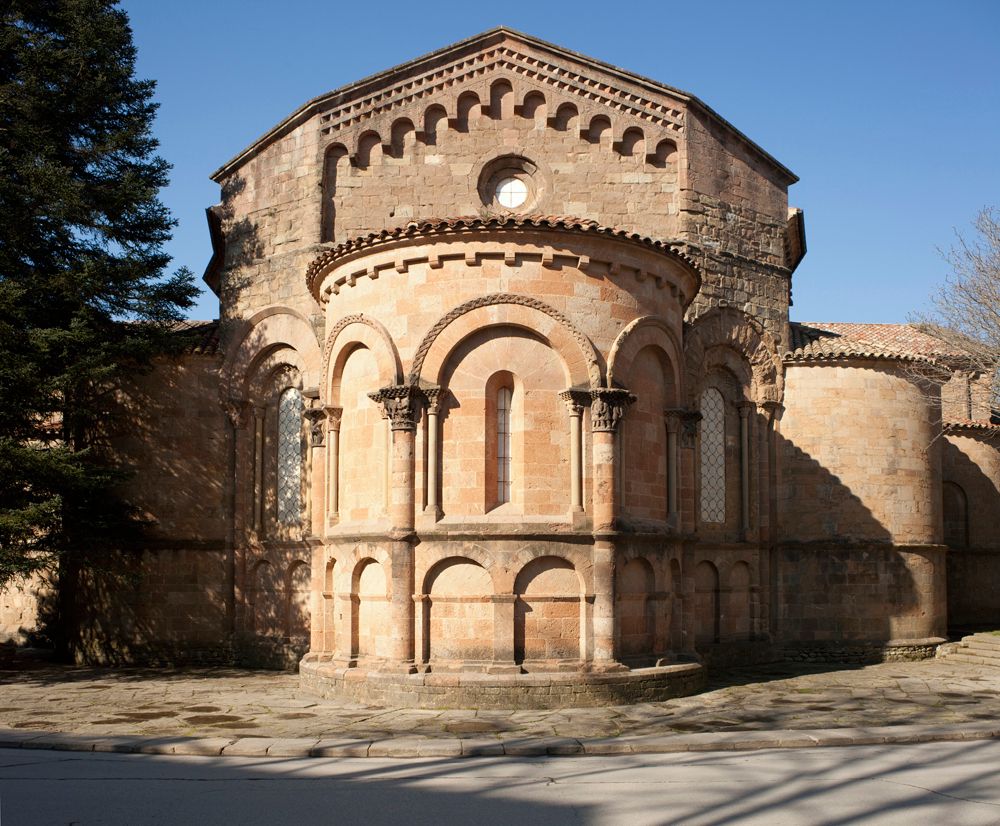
column 972, row 659
column 980, row 651
column 985, row 640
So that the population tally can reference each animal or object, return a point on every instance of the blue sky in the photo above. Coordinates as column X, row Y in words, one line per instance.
column 889, row 112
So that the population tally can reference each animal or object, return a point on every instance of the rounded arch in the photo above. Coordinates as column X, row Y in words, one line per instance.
column 566, row 117
column 735, row 330
column 369, row 149
column 503, row 309
column 447, row 558
column 633, row 143
column 335, row 160
column 501, row 99
column 599, row 130
column 355, row 331
column 955, row 509
column 707, row 608
column 435, row 120
column 401, row 136
column 266, row 333
column 534, row 106
column 468, row 109
column 638, row 334
column 664, row 155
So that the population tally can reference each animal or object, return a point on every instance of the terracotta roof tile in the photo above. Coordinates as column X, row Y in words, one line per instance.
column 828, row 340
column 202, row 335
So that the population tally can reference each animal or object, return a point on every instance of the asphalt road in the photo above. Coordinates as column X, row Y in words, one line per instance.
column 934, row 783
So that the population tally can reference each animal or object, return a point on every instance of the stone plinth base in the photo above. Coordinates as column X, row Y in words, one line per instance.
column 861, row 652
column 507, row 691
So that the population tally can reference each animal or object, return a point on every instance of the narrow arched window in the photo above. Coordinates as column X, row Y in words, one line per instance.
column 504, row 397
column 290, row 457
column 713, row 456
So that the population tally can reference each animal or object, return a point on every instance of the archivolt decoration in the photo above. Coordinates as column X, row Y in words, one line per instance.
column 725, row 326
column 586, row 348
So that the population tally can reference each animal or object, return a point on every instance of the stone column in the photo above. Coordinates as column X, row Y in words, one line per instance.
column 433, row 395
column 672, row 418
column 607, row 409
column 316, row 416
column 768, row 615
column 240, row 414
column 257, row 494
column 333, row 416
column 399, row 407
column 745, row 408
column 503, row 634
column 575, row 401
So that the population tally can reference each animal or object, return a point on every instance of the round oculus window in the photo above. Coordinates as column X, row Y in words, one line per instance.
column 511, row 193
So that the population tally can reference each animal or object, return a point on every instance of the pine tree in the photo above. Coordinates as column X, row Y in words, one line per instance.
column 85, row 298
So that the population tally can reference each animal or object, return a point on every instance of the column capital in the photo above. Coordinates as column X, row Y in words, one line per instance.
column 684, row 421
column 398, row 403
column 239, row 412
column 575, row 400
column 773, row 410
column 333, row 416
column 745, row 408
column 434, row 396
column 317, row 433
column 608, row 407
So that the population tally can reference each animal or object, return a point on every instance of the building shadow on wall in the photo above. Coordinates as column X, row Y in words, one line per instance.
column 839, row 588
column 973, row 570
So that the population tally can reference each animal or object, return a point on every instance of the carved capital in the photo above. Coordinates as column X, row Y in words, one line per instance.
column 575, row 400
column 333, row 415
column 773, row 410
column 239, row 411
column 398, row 405
column 689, row 427
column 434, row 395
column 674, row 417
column 745, row 409
column 317, row 433
column 607, row 408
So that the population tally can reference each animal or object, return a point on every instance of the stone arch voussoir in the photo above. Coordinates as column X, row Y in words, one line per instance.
column 578, row 354
column 638, row 334
column 349, row 333
column 267, row 333
column 731, row 328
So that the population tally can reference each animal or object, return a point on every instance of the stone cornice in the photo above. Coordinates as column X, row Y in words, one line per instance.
column 500, row 229
column 520, row 54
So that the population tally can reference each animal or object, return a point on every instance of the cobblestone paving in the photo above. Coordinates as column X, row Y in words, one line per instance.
column 242, row 703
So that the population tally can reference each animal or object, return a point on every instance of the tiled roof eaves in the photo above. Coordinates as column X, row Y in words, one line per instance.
column 203, row 335
column 967, row 425
column 445, row 226
column 847, row 353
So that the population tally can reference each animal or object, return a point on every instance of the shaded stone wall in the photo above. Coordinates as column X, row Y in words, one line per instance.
column 972, row 512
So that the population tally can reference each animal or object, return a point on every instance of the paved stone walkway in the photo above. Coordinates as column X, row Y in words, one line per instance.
column 257, row 708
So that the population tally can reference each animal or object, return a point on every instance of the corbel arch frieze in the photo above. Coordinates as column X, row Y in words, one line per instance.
column 348, row 334
column 580, row 358
column 266, row 333
column 636, row 335
column 725, row 328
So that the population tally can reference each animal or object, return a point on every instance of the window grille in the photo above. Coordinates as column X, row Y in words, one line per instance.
column 713, row 456
column 503, row 445
column 290, row 410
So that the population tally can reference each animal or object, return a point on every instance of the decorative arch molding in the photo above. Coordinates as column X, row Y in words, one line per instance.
column 638, row 334
column 349, row 333
column 729, row 328
column 578, row 353
column 267, row 332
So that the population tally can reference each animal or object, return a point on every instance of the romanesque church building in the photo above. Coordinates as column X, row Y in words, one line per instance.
column 504, row 407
